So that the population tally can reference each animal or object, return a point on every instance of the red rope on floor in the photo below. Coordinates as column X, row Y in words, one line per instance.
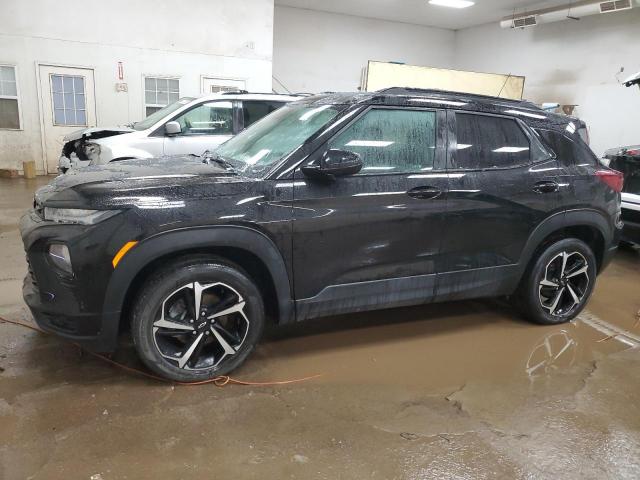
column 220, row 381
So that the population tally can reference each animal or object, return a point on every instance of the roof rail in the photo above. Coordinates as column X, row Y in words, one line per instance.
column 246, row 92
column 434, row 91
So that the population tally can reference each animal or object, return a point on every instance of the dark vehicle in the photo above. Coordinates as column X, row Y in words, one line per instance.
column 333, row 204
column 627, row 161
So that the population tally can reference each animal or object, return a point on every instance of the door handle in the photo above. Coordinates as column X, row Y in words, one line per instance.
column 546, row 186
column 424, row 193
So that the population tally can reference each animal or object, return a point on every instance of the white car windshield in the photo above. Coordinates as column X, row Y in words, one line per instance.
column 275, row 136
column 160, row 114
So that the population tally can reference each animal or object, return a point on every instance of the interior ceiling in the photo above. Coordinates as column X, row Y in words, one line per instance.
column 420, row 12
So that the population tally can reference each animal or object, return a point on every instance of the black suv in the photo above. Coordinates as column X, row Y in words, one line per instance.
column 336, row 203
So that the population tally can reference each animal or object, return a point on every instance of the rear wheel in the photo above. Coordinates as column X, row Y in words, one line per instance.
column 197, row 319
column 559, row 283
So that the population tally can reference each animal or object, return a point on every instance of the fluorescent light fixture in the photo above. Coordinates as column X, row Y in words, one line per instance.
column 452, row 3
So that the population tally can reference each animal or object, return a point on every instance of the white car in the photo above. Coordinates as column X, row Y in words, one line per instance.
column 191, row 125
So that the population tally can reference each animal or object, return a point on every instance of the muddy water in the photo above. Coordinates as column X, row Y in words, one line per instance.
column 460, row 390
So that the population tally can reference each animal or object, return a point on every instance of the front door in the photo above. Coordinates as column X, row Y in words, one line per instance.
column 68, row 104
column 372, row 238
column 203, row 127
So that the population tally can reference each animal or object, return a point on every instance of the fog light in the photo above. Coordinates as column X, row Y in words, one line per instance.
column 59, row 255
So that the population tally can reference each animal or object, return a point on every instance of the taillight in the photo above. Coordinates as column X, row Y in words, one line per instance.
column 613, row 178
column 634, row 152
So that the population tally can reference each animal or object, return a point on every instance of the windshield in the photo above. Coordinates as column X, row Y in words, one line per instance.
column 275, row 136
column 160, row 114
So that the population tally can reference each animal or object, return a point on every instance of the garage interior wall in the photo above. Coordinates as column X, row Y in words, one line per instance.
column 318, row 51
column 570, row 62
column 172, row 40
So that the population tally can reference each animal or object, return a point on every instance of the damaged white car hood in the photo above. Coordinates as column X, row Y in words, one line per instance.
column 95, row 132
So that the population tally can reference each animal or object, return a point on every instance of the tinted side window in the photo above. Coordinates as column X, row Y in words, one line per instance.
column 489, row 142
column 568, row 152
column 390, row 141
column 255, row 110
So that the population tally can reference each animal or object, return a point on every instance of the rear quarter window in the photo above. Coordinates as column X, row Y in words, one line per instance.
column 568, row 151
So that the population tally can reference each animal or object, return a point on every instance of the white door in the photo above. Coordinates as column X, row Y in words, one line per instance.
column 204, row 127
column 218, row 85
column 68, row 104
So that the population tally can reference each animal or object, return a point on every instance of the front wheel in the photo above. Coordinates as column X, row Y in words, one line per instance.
column 559, row 283
column 197, row 319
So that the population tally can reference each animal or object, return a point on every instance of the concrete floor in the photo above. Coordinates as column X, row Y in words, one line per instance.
column 465, row 390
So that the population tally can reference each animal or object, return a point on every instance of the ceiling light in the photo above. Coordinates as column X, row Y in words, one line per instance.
column 452, row 3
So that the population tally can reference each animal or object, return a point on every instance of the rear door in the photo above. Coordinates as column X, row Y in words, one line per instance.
column 203, row 127
column 373, row 238
column 254, row 110
column 502, row 184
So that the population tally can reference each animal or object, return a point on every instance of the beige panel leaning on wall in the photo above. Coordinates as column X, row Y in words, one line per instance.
column 383, row 75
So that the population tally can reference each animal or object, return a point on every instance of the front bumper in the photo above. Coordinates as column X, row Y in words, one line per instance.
column 70, row 306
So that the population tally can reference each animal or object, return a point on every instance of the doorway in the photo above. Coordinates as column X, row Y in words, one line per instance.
column 68, row 104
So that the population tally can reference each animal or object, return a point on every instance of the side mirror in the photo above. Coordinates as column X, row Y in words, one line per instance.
column 334, row 163
column 172, row 128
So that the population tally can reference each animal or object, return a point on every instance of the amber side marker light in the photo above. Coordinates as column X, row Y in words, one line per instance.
column 122, row 252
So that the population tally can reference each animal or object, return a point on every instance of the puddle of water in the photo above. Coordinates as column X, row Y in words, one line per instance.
column 446, row 345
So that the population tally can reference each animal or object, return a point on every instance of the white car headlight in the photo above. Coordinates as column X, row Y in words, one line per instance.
column 77, row 215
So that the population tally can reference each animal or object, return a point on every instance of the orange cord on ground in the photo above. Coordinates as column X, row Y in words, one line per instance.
column 220, row 381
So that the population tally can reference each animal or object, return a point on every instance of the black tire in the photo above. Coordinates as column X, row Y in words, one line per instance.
column 227, row 286
column 537, row 300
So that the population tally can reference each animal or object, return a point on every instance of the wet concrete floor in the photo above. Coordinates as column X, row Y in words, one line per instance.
column 459, row 390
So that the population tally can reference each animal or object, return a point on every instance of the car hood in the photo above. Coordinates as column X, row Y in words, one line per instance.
column 95, row 132
column 105, row 186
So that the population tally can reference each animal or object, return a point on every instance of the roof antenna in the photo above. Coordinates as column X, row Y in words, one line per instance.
column 504, row 84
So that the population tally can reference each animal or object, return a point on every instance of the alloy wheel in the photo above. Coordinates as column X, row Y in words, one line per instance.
column 200, row 325
column 565, row 283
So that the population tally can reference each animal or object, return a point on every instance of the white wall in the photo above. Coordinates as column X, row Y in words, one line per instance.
column 317, row 51
column 185, row 39
column 570, row 62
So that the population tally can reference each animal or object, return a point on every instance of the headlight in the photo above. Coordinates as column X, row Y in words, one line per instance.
column 59, row 255
column 77, row 215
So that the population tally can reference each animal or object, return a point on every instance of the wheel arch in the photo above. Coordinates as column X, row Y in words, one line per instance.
column 588, row 225
column 250, row 249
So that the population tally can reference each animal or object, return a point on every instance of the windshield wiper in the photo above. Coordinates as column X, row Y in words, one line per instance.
column 212, row 157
